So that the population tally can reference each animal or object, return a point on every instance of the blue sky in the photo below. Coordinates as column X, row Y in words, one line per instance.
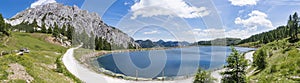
column 182, row 20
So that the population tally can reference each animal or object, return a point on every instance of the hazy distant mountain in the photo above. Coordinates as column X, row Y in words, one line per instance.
column 220, row 41
column 161, row 43
column 81, row 20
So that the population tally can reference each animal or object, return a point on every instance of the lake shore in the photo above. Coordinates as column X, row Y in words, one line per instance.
column 111, row 78
column 88, row 61
column 89, row 76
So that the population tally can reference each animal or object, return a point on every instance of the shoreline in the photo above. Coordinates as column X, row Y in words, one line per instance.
column 96, row 68
column 89, row 76
column 90, row 66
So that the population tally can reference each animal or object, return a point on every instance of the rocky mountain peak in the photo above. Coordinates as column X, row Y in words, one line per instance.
column 82, row 20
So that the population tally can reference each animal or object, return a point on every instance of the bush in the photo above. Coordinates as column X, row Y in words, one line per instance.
column 273, row 69
column 259, row 59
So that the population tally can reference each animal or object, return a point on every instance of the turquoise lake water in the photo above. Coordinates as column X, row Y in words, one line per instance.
column 169, row 63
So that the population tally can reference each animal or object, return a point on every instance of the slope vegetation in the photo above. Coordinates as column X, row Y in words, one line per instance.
column 42, row 63
column 282, row 63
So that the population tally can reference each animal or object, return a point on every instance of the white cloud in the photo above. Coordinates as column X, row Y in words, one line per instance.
column 149, row 8
column 283, row 2
column 41, row 2
column 236, row 33
column 241, row 11
column 243, row 2
column 151, row 32
column 207, row 34
column 256, row 18
column 126, row 3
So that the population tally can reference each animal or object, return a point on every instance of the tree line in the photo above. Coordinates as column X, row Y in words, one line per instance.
column 290, row 30
column 65, row 30
column 4, row 27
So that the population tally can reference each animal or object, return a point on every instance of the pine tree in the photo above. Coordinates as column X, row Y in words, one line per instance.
column 290, row 26
column 101, row 43
column 43, row 29
column 63, row 30
column 70, row 32
column 259, row 59
column 56, row 30
column 92, row 41
column 34, row 23
column 97, row 43
column 2, row 24
column 203, row 76
column 295, row 25
column 49, row 31
column 235, row 69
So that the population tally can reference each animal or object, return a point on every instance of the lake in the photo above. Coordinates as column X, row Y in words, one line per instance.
column 173, row 62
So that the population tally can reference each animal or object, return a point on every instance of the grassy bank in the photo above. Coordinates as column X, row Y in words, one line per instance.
column 42, row 63
column 283, row 63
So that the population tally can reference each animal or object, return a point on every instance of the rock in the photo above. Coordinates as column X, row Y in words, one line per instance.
column 81, row 20
column 18, row 72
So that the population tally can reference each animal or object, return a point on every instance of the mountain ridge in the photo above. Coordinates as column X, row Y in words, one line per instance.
column 55, row 13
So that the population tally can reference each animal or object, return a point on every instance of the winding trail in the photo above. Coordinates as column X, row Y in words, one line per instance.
column 89, row 76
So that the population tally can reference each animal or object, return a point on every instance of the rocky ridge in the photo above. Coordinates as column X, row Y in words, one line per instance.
column 81, row 20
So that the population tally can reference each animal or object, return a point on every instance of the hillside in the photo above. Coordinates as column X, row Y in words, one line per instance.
column 282, row 62
column 278, row 58
column 42, row 64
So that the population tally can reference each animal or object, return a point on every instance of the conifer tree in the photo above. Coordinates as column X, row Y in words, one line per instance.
column 203, row 76
column 235, row 69
column 43, row 29
column 56, row 30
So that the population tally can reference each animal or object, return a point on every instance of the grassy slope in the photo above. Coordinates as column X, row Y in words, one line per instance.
column 283, row 63
column 42, row 55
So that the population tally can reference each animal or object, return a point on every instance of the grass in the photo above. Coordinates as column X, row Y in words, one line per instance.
column 42, row 55
column 78, row 53
column 283, row 63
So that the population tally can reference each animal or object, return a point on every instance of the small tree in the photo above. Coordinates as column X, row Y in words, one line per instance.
column 259, row 59
column 63, row 30
column 235, row 69
column 203, row 76
column 3, row 26
column 43, row 29
column 70, row 32
column 49, row 31
column 56, row 30
column 97, row 43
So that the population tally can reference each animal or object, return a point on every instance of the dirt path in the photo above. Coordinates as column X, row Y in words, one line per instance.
column 17, row 71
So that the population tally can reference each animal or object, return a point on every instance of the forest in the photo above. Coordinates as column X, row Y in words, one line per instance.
column 290, row 30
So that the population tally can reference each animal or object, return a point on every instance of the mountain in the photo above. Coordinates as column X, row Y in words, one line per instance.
column 55, row 14
column 220, row 41
column 160, row 43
